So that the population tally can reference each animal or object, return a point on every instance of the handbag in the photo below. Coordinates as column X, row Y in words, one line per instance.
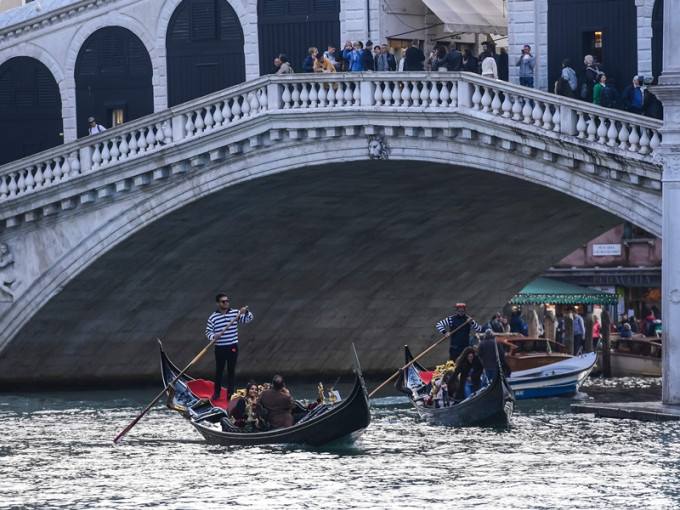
column 584, row 91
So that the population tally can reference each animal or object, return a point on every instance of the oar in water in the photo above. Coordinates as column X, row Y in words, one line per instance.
column 447, row 335
column 120, row 436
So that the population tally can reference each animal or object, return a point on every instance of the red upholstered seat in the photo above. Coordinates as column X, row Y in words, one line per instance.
column 204, row 389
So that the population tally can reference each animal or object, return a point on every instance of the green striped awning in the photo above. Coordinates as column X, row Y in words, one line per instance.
column 545, row 290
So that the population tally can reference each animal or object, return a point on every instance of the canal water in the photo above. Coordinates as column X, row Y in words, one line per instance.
column 57, row 452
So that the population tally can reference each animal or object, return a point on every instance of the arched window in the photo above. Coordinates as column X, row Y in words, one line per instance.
column 30, row 109
column 113, row 79
column 205, row 49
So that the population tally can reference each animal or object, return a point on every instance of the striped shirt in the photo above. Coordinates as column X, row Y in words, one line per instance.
column 218, row 321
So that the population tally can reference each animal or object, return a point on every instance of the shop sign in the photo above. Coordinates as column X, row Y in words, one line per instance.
column 606, row 250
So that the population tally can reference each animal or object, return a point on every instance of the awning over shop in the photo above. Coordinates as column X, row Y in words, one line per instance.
column 478, row 17
column 545, row 290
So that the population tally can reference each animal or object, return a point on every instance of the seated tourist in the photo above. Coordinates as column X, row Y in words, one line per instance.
column 278, row 403
column 469, row 369
column 243, row 410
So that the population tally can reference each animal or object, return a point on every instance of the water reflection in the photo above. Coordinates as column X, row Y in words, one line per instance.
column 56, row 451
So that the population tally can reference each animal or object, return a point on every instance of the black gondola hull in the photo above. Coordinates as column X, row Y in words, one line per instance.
column 343, row 421
column 490, row 406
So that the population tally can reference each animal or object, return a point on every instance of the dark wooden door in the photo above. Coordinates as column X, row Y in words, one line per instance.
column 30, row 109
column 293, row 26
column 205, row 50
column 571, row 28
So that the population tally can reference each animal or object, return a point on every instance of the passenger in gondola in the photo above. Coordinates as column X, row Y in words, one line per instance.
column 278, row 403
column 487, row 352
column 243, row 410
column 469, row 371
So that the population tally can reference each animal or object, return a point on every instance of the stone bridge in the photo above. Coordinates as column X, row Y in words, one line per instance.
column 341, row 208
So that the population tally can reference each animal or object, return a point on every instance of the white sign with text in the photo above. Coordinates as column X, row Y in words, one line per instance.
column 604, row 250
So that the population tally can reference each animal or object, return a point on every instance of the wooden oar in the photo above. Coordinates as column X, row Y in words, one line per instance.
column 418, row 357
column 120, row 436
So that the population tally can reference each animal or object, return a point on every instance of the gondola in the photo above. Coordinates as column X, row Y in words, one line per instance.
column 491, row 405
column 343, row 420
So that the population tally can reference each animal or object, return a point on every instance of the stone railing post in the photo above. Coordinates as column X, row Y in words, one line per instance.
column 85, row 159
column 274, row 96
column 367, row 91
column 568, row 120
column 179, row 131
column 465, row 91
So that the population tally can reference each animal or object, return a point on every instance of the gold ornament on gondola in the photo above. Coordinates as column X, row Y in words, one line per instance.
column 438, row 373
column 320, row 398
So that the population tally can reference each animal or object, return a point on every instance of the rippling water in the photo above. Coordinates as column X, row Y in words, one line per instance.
column 56, row 451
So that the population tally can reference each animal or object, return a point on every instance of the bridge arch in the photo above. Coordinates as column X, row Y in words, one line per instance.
column 392, row 238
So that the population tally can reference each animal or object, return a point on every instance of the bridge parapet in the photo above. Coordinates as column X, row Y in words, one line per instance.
column 612, row 133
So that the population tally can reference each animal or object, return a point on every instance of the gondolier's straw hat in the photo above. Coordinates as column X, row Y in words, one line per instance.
column 460, row 305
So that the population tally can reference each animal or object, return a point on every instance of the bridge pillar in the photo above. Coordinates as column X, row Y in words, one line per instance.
column 668, row 92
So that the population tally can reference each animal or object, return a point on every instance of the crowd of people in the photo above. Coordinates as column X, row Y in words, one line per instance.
column 597, row 88
column 358, row 56
column 593, row 86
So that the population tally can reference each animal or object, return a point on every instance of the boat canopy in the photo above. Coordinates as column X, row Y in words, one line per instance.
column 545, row 290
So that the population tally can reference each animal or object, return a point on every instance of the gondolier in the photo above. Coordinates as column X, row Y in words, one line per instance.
column 461, row 338
column 226, row 341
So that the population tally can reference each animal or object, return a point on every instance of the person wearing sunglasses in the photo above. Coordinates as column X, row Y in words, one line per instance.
column 461, row 338
column 226, row 341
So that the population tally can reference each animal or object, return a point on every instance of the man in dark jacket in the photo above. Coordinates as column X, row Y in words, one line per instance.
column 454, row 59
column 367, row 60
column 461, row 338
column 415, row 57
column 632, row 96
column 278, row 403
column 487, row 350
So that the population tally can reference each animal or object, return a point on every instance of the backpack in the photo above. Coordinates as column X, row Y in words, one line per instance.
column 650, row 328
column 609, row 97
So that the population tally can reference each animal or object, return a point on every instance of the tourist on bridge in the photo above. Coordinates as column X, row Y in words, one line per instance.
column 461, row 338
column 567, row 83
column 590, row 78
column 323, row 64
column 285, row 67
column 391, row 61
column 94, row 127
column 226, row 341
column 632, row 96
column 367, row 57
column 415, row 58
column 308, row 64
column 353, row 56
column 526, row 63
column 470, row 62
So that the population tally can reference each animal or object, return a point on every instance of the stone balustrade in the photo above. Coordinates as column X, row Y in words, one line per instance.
column 533, row 111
